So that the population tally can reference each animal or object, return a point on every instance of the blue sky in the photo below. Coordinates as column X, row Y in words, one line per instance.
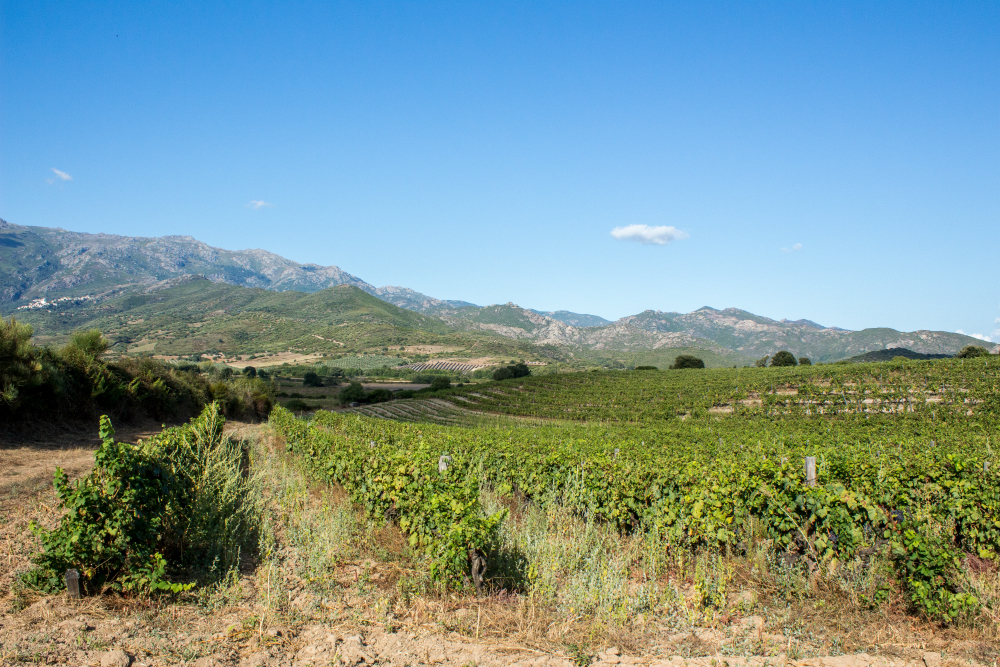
column 838, row 161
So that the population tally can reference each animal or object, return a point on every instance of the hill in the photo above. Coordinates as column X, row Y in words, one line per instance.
column 53, row 263
column 574, row 319
column 891, row 353
column 79, row 272
column 191, row 315
column 755, row 336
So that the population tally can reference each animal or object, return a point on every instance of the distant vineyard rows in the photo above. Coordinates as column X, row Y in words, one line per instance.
column 927, row 388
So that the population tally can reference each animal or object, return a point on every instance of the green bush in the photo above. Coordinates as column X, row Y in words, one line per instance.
column 646, row 368
column 20, row 363
column 784, row 358
column 297, row 405
column 805, row 361
column 178, row 503
column 428, row 377
column 352, row 393
column 311, row 379
column 513, row 371
column 379, row 396
column 687, row 361
column 972, row 351
column 932, row 573
column 88, row 344
column 440, row 382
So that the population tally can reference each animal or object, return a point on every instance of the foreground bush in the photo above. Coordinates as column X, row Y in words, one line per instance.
column 75, row 382
column 180, row 503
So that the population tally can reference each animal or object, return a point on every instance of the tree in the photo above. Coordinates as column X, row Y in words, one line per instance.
column 972, row 351
column 646, row 368
column 805, row 361
column 784, row 358
column 760, row 363
column 440, row 382
column 353, row 392
column 18, row 360
column 296, row 405
column 250, row 372
column 379, row 396
column 687, row 361
column 513, row 371
column 86, row 346
column 311, row 379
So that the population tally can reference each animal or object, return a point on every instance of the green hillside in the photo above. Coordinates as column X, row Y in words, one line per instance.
column 196, row 315
column 892, row 353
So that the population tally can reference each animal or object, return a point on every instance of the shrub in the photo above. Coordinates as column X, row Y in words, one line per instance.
column 90, row 345
column 353, row 392
column 20, row 366
column 311, row 379
column 179, row 501
column 646, row 368
column 784, row 358
column 440, row 382
column 379, row 396
column 250, row 372
column 972, row 351
column 805, row 361
column 297, row 405
column 518, row 370
column 687, row 361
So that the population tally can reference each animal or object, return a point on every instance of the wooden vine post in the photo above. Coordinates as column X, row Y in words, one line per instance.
column 810, row 471
column 73, row 584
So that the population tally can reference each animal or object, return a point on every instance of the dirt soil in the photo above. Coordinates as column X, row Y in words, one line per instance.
column 342, row 627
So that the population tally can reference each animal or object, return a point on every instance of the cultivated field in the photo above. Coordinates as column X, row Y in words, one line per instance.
column 613, row 518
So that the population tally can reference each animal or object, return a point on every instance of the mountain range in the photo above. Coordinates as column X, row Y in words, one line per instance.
column 53, row 271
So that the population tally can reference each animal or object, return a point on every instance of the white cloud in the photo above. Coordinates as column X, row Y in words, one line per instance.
column 258, row 204
column 647, row 235
column 794, row 248
column 982, row 337
column 60, row 176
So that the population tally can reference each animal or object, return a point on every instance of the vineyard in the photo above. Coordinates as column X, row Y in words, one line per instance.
column 921, row 389
column 903, row 459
